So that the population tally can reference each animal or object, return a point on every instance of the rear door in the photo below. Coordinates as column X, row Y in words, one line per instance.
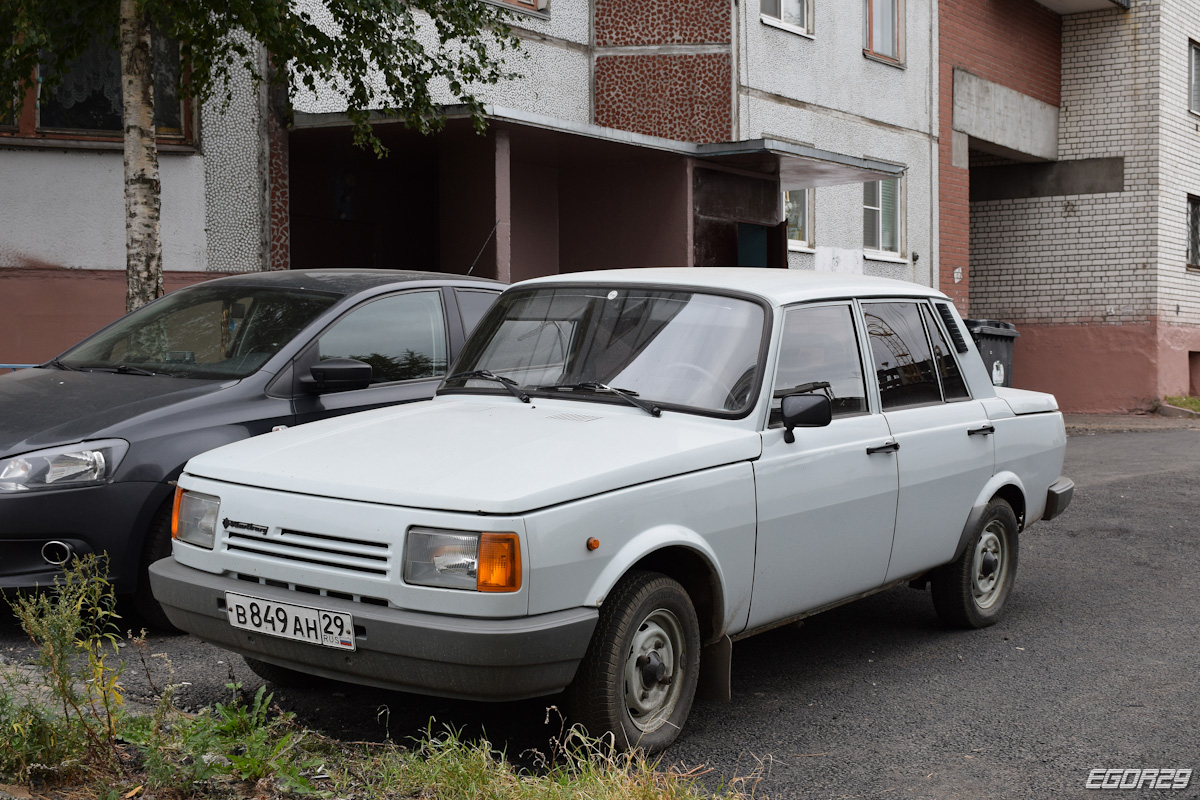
column 827, row 501
column 945, row 444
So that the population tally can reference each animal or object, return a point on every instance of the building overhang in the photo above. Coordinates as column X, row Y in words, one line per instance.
column 547, row 138
column 1080, row 6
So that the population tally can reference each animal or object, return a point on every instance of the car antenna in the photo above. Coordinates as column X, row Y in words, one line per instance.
column 485, row 244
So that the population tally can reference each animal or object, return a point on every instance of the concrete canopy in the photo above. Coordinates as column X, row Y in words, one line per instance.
column 798, row 166
column 1079, row 6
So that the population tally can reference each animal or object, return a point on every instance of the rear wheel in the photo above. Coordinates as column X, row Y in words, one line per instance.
column 638, row 677
column 971, row 591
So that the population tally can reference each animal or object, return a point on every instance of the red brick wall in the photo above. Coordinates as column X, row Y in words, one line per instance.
column 676, row 94
column 1015, row 43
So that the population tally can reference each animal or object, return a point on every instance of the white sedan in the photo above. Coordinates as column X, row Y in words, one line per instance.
column 625, row 472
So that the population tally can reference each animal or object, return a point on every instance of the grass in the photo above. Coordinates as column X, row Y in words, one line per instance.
column 65, row 732
column 1190, row 403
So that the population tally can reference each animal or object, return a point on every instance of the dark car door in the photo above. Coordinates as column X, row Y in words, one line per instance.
column 409, row 338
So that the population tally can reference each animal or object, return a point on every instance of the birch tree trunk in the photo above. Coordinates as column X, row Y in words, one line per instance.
column 143, row 266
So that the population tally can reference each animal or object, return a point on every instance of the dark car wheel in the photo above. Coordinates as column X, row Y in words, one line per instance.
column 156, row 546
column 971, row 591
column 638, row 677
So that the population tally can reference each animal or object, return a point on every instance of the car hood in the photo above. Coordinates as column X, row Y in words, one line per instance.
column 479, row 455
column 47, row 407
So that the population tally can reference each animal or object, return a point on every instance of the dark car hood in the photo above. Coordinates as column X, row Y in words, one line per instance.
column 46, row 407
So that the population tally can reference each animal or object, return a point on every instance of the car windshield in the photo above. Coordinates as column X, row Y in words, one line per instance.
column 678, row 348
column 212, row 332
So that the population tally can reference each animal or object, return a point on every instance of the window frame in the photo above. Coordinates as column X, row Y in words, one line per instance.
column 1194, row 76
column 917, row 302
column 871, row 400
column 1191, row 257
column 806, row 244
column 777, row 20
column 880, row 252
column 27, row 127
column 869, row 48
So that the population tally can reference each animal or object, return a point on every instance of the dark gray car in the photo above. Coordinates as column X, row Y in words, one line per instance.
column 91, row 441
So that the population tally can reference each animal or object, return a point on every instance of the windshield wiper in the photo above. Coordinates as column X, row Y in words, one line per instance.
column 507, row 383
column 628, row 395
column 54, row 362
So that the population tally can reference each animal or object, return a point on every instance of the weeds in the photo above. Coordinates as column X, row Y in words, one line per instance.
column 65, row 724
column 1190, row 403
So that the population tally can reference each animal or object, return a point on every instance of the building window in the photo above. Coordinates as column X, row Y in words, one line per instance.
column 527, row 5
column 1194, row 60
column 881, row 28
column 1193, row 229
column 881, row 216
column 797, row 210
column 792, row 13
column 87, row 102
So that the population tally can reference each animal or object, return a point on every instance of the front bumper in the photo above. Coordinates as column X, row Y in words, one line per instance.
column 112, row 519
column 469, row 658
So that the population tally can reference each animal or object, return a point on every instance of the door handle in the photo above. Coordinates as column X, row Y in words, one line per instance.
column 890, row 447
column 986, row 430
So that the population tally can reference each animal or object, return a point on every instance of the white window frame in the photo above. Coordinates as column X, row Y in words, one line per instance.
column 869, row 49
column 1194, row 77
column 777, row 21
column 898, row 212
column 807, row 215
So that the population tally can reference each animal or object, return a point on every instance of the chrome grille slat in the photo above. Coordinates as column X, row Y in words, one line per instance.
column 356, row 557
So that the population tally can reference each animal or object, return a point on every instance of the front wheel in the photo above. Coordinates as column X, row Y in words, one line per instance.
column 971, row 591
column 638, row 677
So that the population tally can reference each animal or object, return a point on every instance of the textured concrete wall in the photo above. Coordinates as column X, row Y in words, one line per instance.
column 820, row 89
column 1013, row 43
column 66, row 208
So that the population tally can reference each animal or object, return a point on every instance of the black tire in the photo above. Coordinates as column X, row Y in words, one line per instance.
column 156, row 546
column 971, row 591
column 638, row 677
column 282, row 676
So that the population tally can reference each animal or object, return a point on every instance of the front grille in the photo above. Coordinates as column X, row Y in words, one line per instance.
column 351, row 556
column 312, row 590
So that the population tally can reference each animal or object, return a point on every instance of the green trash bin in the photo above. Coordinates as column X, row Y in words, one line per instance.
column 995, row 342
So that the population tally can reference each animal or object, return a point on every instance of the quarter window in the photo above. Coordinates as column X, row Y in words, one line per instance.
column 794, row 13
column 904, row 364
column 472, row 306
column 881, row 28
column 953, row 385
column 819, row 354
column 881, row 216
column 402, row 337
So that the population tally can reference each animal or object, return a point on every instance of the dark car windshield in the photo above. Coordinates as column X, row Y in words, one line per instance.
column 677, row 348
column 206, row 331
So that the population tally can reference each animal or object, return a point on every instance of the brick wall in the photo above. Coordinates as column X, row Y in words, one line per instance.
column 1015, row 43
column 664, row 68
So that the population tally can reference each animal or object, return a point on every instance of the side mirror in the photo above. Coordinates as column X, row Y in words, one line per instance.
column 337, row 375
column 805, row 411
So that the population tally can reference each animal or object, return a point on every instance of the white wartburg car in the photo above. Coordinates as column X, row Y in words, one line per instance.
column 627, row 471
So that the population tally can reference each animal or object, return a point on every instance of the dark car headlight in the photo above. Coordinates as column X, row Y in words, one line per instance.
column 69, row 466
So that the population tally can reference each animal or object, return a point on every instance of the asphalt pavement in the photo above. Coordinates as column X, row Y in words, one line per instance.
column 1095, row 665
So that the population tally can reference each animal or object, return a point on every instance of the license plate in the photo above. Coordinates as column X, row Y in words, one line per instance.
column 289, row 621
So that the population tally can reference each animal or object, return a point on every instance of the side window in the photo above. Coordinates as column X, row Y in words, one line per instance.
column 903, row 361
column 472, row 306
column 402, row 337
column 819, row 347
column 953, row 385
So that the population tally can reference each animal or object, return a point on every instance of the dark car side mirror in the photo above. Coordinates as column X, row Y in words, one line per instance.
column 337, row 375
column 805, row 411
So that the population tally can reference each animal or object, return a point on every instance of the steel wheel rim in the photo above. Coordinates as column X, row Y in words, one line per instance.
column 986, row 588
column 651, row 702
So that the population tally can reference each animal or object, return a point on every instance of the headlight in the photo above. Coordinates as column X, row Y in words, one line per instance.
column 483, row 562
column 82, row 464
column 194, row 518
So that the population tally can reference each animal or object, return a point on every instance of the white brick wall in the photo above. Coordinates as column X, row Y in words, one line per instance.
column 1105, row 258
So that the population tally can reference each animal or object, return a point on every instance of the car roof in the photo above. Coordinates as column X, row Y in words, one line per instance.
column 349, row 281
column 779, row 286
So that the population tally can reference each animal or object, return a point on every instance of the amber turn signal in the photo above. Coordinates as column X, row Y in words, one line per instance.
column 175, row 513
column 593, row 543
column 499, row 563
